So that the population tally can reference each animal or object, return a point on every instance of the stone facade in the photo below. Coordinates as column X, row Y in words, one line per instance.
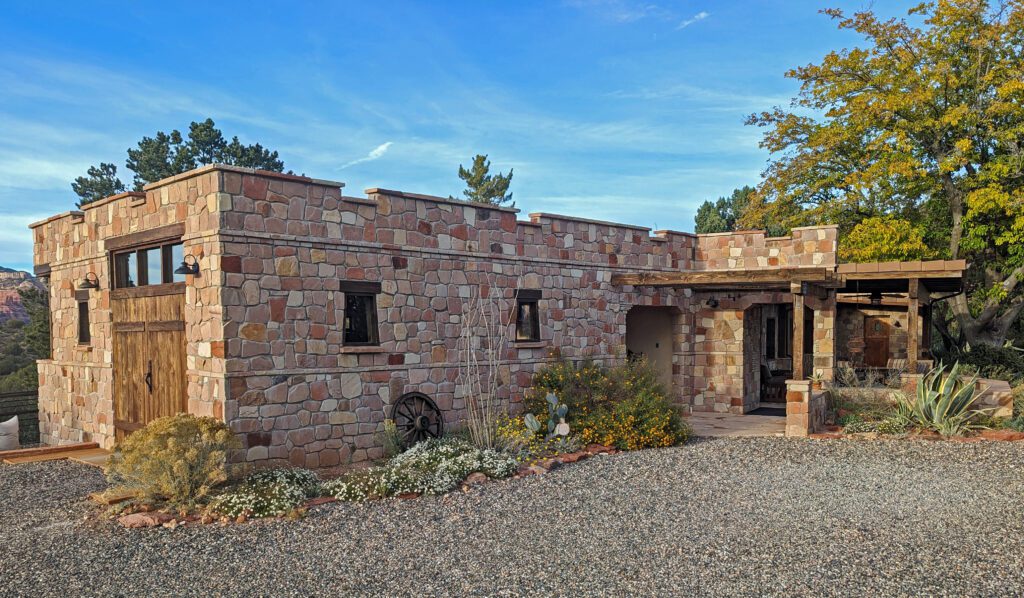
column 263, row 318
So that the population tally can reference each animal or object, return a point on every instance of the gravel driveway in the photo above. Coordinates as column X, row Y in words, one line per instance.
column 757, row 516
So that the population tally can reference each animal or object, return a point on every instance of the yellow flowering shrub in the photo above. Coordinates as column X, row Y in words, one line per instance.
column 622, row 406
column 177, row 460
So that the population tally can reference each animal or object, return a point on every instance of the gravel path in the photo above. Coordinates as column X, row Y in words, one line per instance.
column 758, row 516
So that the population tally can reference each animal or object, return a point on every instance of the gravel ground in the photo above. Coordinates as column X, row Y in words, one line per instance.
column 758, row 516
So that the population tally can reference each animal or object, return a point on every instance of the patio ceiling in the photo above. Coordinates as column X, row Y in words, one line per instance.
column 938, row 276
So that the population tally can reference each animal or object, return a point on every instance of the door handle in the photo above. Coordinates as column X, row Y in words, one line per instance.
column 149, row 377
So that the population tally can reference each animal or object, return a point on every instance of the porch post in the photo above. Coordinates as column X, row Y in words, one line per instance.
column 913, row 329
column 798, row 332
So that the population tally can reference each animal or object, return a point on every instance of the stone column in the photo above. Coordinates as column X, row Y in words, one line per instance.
column 798, row 399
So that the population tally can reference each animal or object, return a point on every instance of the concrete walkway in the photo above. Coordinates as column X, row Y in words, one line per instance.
column 729, row 424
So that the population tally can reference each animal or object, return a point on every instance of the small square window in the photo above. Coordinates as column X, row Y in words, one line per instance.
column 527, row 320
column 360, row 319
column 84, row 337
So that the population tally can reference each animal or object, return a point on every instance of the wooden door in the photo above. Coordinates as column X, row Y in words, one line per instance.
column 149, row 357
column 876, row 342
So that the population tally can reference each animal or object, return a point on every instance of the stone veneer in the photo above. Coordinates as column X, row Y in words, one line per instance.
column 265, row 346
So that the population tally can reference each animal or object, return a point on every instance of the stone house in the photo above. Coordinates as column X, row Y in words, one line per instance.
column 304, row 318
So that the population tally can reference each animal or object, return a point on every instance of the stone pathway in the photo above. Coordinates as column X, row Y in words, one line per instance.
column 730, row 424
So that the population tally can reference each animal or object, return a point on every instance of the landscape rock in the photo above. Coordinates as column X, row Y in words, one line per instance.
column 1008, row 435
column 143, row 520
column 475, row 478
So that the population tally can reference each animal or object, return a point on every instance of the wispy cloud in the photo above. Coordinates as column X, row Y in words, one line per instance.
column 621, row 11
column 695, row 18
column 374, row 154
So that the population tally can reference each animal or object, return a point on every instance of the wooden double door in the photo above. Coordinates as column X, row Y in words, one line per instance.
column 148, row 356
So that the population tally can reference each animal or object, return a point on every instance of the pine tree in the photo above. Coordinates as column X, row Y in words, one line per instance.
column 482, row 187
column 168, row 154
column 100, row 181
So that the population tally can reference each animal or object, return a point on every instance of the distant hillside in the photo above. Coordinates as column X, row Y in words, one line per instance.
column 10, row 302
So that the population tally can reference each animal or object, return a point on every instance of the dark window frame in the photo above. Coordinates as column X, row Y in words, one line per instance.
column 84, row 332
column 366, row 291
column 529, row 299
column 141, row 252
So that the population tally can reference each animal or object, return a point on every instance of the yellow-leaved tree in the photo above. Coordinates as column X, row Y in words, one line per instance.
column 924, row 121
column 884, row 239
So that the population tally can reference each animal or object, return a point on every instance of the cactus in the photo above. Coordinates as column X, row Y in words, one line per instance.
column 531, row 423
column 556, row 419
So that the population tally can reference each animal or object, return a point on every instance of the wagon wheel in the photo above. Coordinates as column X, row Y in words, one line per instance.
column 417, row 418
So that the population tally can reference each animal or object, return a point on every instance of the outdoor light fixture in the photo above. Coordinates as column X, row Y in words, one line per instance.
column 90, row 282
column 188, row 268
column 876, row 298
column 712, row 303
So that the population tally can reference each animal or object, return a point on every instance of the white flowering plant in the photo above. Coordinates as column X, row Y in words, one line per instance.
column 435, row 466
column 269, row 493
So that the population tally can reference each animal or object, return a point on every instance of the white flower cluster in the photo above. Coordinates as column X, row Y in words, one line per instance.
column 431, row 467
column 269, row 493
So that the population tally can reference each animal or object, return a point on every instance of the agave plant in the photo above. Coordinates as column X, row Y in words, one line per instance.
column 944, row 402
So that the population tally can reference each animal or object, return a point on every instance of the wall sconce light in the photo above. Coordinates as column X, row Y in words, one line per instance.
column 897, row 324
column 187, row 267
column 90, row 282
column 876, row 298
column 712, row 303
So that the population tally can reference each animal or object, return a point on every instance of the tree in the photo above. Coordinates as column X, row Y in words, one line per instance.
column 884, row 239
column 924, row 121
column 482, row 187
column 724, row 214
column 100, row 181
column 168, row 154
column 21, row 344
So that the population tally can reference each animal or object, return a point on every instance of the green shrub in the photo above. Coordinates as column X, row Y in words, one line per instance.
column 622, row 406
column 996, row 363
column 269, row 493
column 645, row 420
column 177, row 460
column 859, row 426
column 892, row 426
column 435, row 466
column 943, row 402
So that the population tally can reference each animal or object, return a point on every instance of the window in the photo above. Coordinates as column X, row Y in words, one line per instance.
column 360, row 327
column 527, row 316
column 148, row 266
column 84, row 337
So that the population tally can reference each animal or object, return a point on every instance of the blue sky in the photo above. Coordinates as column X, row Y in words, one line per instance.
column 607, row 109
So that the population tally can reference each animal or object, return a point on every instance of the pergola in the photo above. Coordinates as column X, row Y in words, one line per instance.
column 912, row 282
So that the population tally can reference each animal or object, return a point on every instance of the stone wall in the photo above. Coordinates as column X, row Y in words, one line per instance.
column 299, row 396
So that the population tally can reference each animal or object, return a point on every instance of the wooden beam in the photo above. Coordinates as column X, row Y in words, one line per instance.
column 798, row 337
column 913, row 329
column 902, row 275
column 171, row 232
column 780, row 276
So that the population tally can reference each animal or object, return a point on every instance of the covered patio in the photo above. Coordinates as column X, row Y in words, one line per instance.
column 766, row 337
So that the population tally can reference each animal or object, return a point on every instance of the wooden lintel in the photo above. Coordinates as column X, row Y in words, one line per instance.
column 780, row 276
